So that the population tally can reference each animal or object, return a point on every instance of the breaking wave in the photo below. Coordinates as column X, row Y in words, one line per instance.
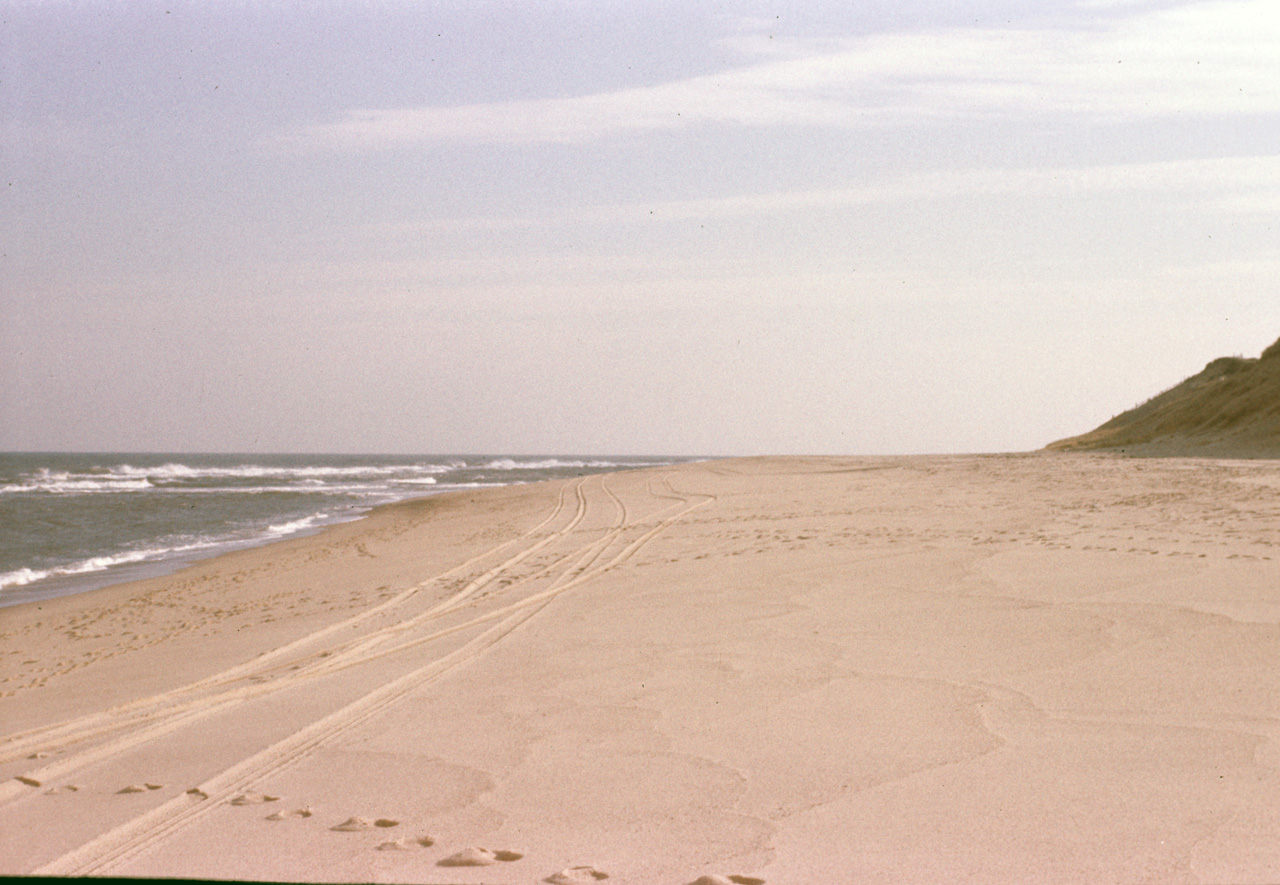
column 69, row 518
column 22, row 576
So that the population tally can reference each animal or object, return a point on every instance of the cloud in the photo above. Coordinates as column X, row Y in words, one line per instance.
column 1210, row 58
column 1220, row 180
column 1230, row 184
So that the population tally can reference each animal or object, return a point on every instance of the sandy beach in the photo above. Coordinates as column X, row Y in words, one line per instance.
column 1041, row 667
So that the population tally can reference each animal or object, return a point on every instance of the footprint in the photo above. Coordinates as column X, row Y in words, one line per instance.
column 253, row 799
column 29, row 781
column 576, row 875
column 357, row 824
column 407, row 844
column 135, row 788
column 478, row 857
column 353, row 825
column 197, row 793
column 727, row 880
column 67, row 788
column 296, row 814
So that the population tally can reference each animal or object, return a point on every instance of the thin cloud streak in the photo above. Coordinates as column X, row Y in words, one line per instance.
column 1232, row 184
column 1205, row 59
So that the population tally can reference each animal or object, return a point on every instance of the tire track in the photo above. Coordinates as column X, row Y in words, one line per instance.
column 133, row 838
column 175, row 708
column 178, row 714
column 545, row 596
column 136, row 836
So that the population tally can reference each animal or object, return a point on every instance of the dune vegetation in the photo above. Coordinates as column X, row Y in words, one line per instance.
column 1231, row 409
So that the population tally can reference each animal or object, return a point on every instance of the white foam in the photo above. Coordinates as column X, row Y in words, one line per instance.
column 20, row 577
column 180, row 546
column 23, row 576
column 296, row 525
column 178, row 478
column 257, row 471
column 59, row 482
column 356, row 488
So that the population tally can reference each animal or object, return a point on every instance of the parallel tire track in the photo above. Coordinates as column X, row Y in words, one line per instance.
column 135, row 837
column 160, row 714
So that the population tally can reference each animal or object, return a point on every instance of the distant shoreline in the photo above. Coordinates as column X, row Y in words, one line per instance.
column 85, row 520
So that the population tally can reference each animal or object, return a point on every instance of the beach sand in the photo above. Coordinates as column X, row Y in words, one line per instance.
column 1043, row 667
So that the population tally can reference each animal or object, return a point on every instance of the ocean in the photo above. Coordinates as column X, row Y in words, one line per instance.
column 75, row 522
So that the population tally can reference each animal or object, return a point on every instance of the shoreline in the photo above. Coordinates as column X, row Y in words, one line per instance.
column 781, row 669
column 47, row 589
column 115, row 518
column 73, row 584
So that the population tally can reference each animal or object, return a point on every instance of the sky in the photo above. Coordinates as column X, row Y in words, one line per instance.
column 587, row 226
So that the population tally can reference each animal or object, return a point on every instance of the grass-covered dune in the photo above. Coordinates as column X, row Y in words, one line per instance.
column 1231, row 409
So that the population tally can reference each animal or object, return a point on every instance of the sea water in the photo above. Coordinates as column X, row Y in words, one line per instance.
column 75, row 522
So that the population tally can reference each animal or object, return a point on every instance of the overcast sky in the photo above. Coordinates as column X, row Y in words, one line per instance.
column 867, row 227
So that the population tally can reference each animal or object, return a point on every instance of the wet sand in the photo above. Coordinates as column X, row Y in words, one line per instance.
column 1043, row 667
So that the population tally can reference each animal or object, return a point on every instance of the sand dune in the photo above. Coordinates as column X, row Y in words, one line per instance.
column 1229, row 410
column 1046, row 667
